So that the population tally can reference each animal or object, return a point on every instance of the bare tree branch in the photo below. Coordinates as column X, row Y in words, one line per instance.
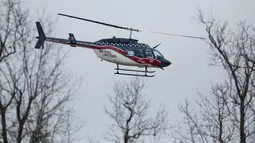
column 231, row 113
column 35, row 89
column 129, row 113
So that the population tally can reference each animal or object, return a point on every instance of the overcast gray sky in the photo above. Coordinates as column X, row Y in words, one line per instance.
column 188, row 73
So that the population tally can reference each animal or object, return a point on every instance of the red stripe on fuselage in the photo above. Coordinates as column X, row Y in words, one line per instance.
column 122, row 52
column 151, row 61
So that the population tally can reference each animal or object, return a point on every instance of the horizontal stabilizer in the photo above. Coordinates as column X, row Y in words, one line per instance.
column 72, row 40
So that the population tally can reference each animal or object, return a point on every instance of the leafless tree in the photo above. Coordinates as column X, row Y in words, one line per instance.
column 130, row 114
column 10, row 26
column 235, row 52
column 34, row 88
column 211, row 122
column 91, row 139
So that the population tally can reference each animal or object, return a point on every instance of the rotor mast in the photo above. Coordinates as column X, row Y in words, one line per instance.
column 131, row 30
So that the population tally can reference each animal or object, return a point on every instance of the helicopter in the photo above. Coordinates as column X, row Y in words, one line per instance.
column 120, row 51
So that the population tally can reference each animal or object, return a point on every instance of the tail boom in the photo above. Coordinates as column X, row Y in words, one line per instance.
column 71, row 41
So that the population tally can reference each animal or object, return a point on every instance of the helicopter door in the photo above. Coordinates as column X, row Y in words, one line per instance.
column 148, row 53
column 139, row 53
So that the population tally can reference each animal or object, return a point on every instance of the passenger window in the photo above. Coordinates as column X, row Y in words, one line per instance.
column 137, row 53
column 130, row 53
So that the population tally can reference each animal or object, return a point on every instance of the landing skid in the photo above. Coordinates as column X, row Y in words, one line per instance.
column 130, row 70
column 134, row 70
column 135, row 74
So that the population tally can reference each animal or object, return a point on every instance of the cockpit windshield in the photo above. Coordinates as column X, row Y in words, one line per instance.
column 157, row 54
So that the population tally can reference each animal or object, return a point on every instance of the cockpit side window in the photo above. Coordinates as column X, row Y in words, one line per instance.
column 158, row 55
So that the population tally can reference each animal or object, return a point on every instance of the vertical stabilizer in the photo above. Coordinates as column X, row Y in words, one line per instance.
column 41, row 38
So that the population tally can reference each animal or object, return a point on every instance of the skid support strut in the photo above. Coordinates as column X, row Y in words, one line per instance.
column 132, row 74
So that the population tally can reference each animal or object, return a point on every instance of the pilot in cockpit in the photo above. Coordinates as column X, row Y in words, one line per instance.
column 149, row 54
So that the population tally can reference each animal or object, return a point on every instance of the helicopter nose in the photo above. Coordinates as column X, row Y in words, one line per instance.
column 165, row 63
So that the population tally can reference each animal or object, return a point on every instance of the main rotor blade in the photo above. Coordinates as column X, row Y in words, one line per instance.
column 98, row 22
column 177, row 35
column 126, row 28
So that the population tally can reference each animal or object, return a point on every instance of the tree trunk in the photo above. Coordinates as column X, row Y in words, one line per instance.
column 4, row 131
column 20, row 132
column 242, row 121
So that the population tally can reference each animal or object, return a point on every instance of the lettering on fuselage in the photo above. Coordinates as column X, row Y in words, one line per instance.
column 107, row 53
